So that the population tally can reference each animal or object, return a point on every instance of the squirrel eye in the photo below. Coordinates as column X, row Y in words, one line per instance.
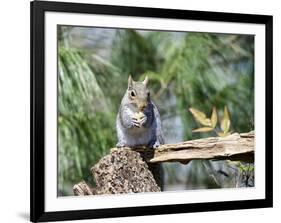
column 148, row 93
column 133, row 94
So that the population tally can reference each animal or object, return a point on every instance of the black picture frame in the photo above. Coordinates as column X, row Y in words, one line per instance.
column 37, row 161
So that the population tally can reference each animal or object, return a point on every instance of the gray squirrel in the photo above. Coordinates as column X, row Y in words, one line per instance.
column 138, row 121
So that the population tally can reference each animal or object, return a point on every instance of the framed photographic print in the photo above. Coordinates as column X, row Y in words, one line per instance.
column 144, row 111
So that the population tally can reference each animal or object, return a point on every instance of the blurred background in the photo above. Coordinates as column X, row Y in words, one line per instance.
column 186, row 69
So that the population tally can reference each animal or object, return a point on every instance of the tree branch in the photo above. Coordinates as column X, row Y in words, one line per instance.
column 233, row 147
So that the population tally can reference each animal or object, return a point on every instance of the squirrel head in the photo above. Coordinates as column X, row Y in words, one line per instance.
column 138, row 94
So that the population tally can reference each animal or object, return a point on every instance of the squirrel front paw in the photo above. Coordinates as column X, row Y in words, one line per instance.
column 136, row 123
column 143, row 120
column 139, row 121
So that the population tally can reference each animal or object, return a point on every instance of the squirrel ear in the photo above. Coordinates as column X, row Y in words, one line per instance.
column 145, row 81
column 130, row 81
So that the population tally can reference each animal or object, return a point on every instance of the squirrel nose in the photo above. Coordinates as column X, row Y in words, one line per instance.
column 142, row 107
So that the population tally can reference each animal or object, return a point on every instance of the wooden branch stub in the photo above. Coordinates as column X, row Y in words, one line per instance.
column 123, row 171
column 82, row 189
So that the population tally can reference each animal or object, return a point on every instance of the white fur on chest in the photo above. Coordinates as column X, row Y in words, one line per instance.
column 138, row 136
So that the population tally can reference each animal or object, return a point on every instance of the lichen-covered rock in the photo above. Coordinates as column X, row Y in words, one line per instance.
column 123, row 171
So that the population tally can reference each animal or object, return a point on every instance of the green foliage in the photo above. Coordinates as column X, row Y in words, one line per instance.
column 85, row 119
column 197, row 70
column 206, row 70
column 245, row 173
